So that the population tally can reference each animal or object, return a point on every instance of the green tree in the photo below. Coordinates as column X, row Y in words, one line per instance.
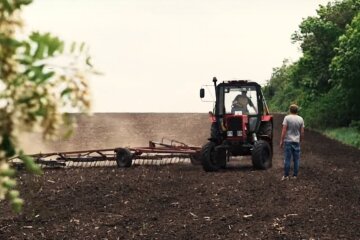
column 345, row 67
column 40, row 79
column 318, row 37
column 281, row 89
column 325, row 80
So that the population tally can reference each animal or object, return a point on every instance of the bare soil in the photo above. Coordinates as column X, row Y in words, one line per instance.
column 181, row 201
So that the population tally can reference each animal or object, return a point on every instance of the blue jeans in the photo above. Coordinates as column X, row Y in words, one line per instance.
column 291, row 150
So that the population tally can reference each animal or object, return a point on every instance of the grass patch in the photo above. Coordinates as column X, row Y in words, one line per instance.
column 349, row 135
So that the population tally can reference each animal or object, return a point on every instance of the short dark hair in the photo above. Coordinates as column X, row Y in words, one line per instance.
column 294, row 108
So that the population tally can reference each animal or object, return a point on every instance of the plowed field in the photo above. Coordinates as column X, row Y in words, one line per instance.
column 181, row 201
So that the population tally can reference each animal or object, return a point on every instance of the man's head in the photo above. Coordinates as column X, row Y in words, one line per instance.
column 294, row 108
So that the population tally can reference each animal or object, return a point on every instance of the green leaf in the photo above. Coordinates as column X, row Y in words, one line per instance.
column 11, row 5
column 30, row 165
column 36, row 73
column 54, row 45
column 17, row 204
column 13, row 194
column 73, row 46
column 7, row 173
column 27, row 47
column 7, row 145
column 7, row 6
column 82, row 46
column 26, row 60
column 9, row 183
column 11, row 42
column 42, row 111
column 65, row 92
column 19, row 3
column 88, row 61
column 40, row 50
column 46, row 76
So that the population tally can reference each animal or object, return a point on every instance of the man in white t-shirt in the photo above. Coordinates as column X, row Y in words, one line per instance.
column 291, row 135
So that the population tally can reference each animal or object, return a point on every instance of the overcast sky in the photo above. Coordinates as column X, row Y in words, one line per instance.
column 156, row 54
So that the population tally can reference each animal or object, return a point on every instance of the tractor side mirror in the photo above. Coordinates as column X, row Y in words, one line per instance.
column 202, row 93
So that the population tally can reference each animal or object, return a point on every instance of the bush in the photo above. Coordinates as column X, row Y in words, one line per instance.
column 355, row 124
column 350, row 136
column 328, row 110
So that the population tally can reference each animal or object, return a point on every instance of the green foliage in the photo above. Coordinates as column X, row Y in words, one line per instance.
column 281, row 90
column 325, row 81
column 355, row 124
column 318, row 37
column 350, row 136
column 30, row 164
column 9, row 6
column 329, row 110
column 345, row 66
column 40, row 79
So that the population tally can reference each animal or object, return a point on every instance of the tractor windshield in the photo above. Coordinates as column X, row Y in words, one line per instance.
column 240, row 100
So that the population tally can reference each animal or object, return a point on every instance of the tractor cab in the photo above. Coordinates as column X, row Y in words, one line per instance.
column 237, row 109
column 240, row 122
column 239, row 100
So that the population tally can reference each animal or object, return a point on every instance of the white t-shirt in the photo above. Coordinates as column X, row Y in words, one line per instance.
column 294, row 124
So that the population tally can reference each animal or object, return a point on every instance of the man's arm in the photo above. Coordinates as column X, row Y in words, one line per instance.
column 283, row 134
column 302, row 134
column 252, row 105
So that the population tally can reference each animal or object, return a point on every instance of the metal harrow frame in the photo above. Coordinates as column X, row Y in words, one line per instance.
column 157, row 153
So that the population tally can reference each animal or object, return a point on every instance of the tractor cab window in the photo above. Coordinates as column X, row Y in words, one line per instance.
column 240, row 101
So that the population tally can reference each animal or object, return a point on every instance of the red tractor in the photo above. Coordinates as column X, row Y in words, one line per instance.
column 241, row 125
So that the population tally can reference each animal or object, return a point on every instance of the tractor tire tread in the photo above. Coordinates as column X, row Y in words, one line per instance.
column 262, row 155
column 208, row 153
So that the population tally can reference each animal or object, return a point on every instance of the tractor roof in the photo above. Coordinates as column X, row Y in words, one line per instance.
column 239, row 83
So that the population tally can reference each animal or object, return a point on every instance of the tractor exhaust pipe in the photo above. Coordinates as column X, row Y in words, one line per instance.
column 214, row 80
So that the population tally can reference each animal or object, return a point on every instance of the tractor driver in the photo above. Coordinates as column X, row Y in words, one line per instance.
column 240, row 104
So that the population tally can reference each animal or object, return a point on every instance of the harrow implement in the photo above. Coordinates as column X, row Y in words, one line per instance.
column 157, row 153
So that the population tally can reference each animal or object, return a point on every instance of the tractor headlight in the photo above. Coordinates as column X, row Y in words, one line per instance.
column 239, row 133
column 229, row 133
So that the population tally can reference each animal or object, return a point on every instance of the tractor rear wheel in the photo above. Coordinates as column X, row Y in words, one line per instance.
column 212, row 159
column 123, row 158
column 261, row 155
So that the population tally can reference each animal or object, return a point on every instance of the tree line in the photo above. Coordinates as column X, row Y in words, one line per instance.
column 325, row 81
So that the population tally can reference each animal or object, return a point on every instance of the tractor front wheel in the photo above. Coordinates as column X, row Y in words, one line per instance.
column 212, row 159
column 262, row 155
column 123, row 158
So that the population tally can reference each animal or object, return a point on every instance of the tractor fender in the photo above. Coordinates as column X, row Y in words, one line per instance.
column 266, row 118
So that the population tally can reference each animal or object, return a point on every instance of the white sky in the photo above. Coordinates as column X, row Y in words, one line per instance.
column 156, row 54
